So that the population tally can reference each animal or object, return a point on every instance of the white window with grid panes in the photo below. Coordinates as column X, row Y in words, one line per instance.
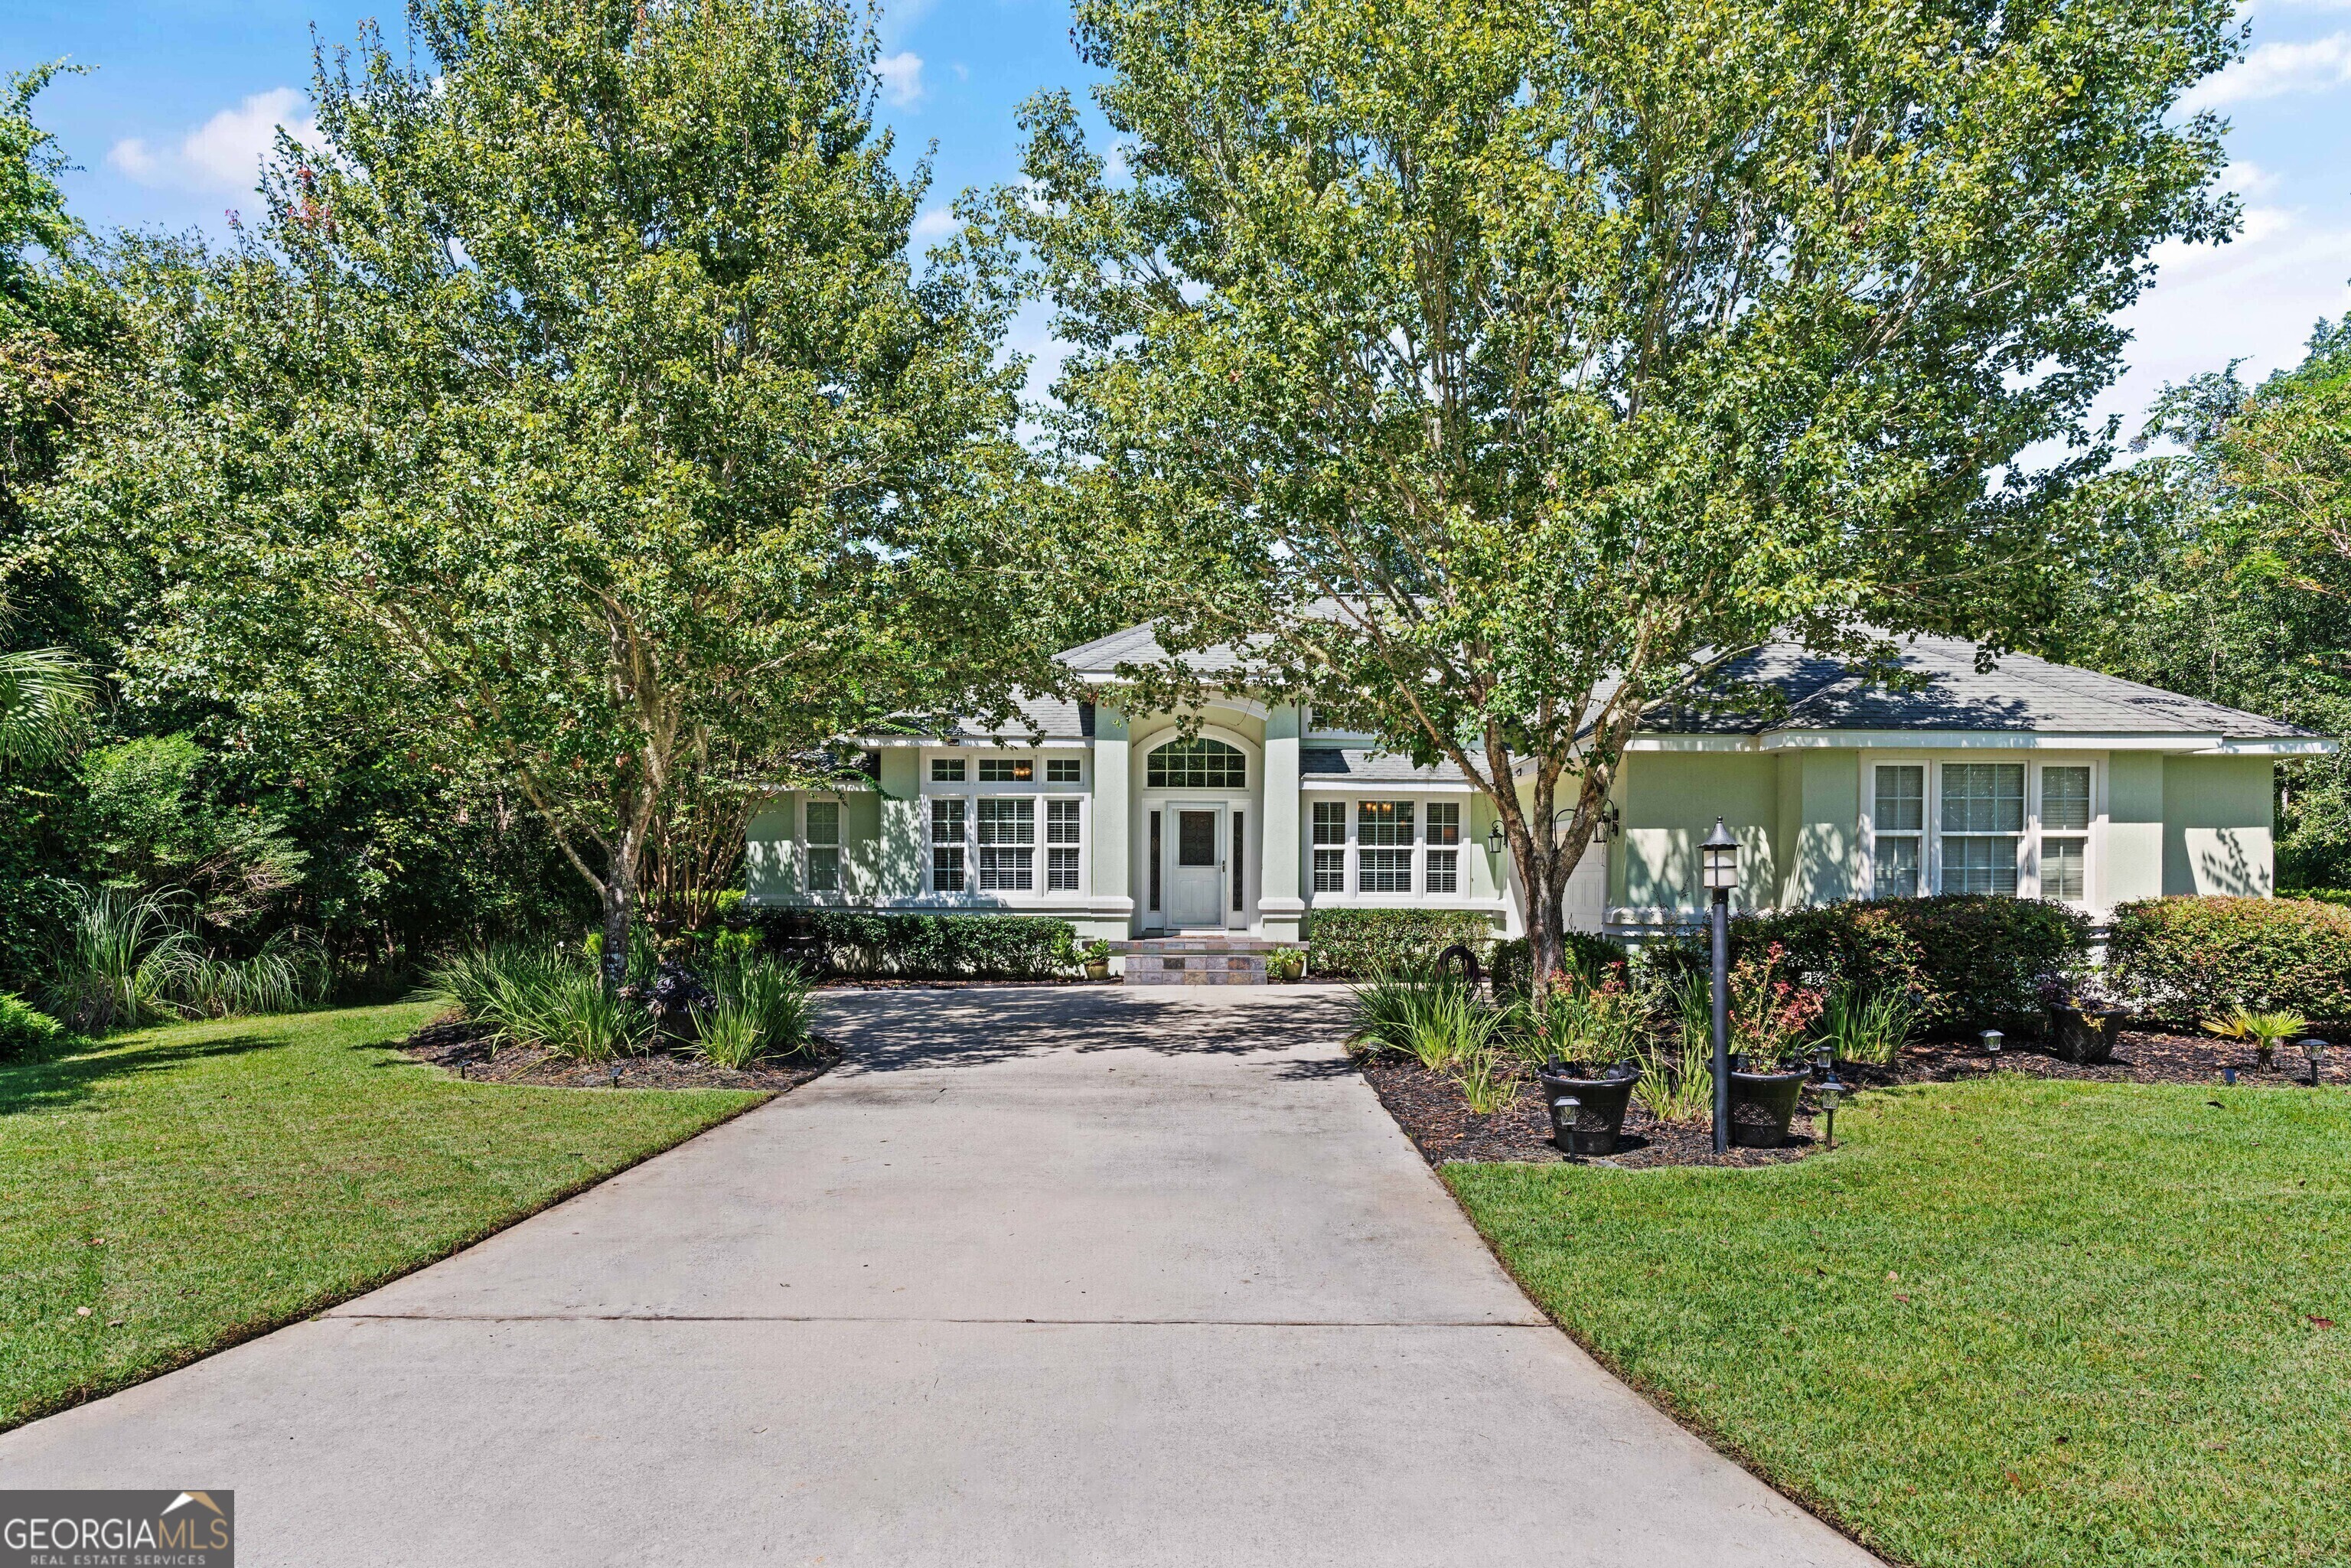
column 2010, row 828
column 1007, row 844
column 948, row 822
column 824, row 846
column 1443, row 872
column 1063, row 828
column 1384, row 842
column 1330, row 846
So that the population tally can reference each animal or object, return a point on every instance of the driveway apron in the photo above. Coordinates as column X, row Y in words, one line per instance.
column 1039, row 1276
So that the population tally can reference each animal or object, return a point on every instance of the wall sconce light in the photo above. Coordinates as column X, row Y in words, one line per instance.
column 1494, row 838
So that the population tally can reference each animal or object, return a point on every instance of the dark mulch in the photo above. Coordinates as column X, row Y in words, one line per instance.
column 458, row 1047
column 1432, row 1113
column 1431, row 1109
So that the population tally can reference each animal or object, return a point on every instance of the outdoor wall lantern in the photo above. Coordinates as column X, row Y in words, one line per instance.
column 1720, row 857
column 1494, row 838
column 2314, row 1047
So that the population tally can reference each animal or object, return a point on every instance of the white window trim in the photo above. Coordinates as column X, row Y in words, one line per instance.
column 1352, row 850
column 1930, row 848
column 972, row 790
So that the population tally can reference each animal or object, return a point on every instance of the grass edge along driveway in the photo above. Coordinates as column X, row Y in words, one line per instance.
column 168, row 1193
column 2004, row 1323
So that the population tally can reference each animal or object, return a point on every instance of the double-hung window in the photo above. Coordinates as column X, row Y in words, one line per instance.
column 1899, row 829
column 1061, row 845
column 2064, row 833
column 1444, row 833
column 1008, row 841
column 1982, row 815
column 1330, row 846
column 824, row 846
column 1383, row 839
column 946, row 843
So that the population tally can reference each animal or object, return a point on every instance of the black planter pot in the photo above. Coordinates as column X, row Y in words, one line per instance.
column 1762, row 1106
column 2085, row 1036
column 1596, row 1119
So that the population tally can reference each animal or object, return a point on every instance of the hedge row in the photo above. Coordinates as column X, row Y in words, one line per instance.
column 1978, row 959
column 1353, row 944
column 2189, row 958
column 924, row 946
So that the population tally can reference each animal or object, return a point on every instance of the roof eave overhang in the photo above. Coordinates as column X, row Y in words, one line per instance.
column 2179, row 744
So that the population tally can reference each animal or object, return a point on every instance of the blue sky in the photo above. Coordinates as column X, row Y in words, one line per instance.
column 169, row 128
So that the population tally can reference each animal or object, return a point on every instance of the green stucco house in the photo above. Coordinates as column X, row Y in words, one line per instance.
column 2034, row 779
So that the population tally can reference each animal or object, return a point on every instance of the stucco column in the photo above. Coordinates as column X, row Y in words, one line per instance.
column 1280, row 912
column 1112, row 902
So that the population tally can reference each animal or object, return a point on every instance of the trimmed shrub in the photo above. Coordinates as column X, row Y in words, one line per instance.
column 1589, row 956
column 2193, row 957
column 924, row 946
column 1360, row 943
column 24, row 1027
column 1977, row 959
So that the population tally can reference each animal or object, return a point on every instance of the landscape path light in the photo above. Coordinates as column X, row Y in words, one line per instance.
column 1718, row 858
column 1992, row 1039
column 2314, row 1047
column 1830, row 1092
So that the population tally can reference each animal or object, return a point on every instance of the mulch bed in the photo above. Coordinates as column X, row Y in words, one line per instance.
column 458, row 1047
column 1430, row 1108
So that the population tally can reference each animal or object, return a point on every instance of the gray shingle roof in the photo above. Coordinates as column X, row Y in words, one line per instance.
column 2021, row 693
column 1049, row 718
column 1137, row 645
column 1351, row 765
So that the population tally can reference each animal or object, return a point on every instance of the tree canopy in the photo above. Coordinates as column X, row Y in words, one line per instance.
column 1497, row 372
column 574, row 417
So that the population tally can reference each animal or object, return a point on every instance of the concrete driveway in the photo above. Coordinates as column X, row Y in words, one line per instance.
column 1038, row 1277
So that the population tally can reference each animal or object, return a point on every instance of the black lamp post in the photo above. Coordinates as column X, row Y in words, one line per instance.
column 1721, row 859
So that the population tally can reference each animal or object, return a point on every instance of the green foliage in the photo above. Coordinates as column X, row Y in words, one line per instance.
column 1355, row 943
column 24, row 1028
column 1871, row 1026
column 1285, row 964
column 1771, row 1017
column 1678, row 1064
column 1594, row 1024
column 1488, row 1079
column 2186, row 958
column 543, row 996
column 931, row 946
column 114, row 960
column 1968, row 960
column 150, row 824
column 1437, row 1021
column 1586, row 955
column 1496, row 373
column 289, row 973
column 45, row 694
column 765, row 1008
column 683, row 469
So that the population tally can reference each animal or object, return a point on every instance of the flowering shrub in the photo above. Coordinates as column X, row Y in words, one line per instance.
column 2204, row 957
column 1594, row 1025
column 1772, row 1017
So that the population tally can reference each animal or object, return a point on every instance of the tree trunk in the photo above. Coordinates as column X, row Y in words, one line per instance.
column 620, row 897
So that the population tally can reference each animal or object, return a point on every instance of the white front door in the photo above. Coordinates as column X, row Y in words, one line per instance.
column 1195, row 869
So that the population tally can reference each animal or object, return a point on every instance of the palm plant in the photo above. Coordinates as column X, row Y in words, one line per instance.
column 44, row 693
column 2265, row 1029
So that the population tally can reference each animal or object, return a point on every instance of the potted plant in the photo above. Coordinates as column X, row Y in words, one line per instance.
column 2265, row 1029
column 1771, row 1018
column 1585, row 1039
column 1285, row 965
column 2085, row 1018
column 1095, row 957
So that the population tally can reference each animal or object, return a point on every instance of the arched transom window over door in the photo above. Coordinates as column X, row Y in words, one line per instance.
column 1198, row 764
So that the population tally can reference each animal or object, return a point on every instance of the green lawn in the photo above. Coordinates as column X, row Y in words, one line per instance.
column 2101, row 1345
column 194, row 1186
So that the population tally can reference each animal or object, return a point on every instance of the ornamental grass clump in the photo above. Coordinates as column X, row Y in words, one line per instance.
column 542, row 997
column 1873, row 1029
column 1436, row 1020
column 765, row 1008
column 290, row 972
column 1676, row 1082
column 114, row 960
column 1488, row 1079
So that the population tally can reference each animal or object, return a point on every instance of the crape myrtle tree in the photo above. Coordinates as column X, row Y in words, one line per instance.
column 574, row 415
column 1497, row 370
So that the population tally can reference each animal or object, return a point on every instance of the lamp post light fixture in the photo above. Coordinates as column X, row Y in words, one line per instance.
column 2314, row 1047
column 1720, row 859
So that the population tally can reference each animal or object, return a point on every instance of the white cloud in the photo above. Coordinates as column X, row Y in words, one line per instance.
column 2273, row 70
column 223, row 153
column 899, row 18
column 2249, row 179
column 2255, row 299
column 934, row 224
column 902, row 77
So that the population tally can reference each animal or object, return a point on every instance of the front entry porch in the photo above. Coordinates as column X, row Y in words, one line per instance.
column 1198, row 961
